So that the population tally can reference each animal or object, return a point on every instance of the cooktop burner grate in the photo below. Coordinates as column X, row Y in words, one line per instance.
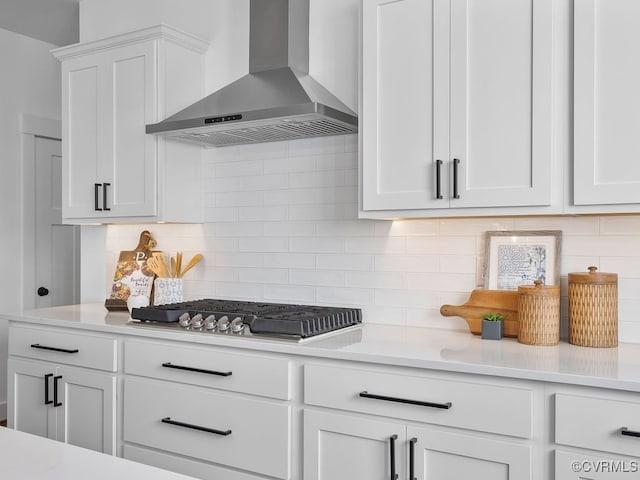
column 262, row 318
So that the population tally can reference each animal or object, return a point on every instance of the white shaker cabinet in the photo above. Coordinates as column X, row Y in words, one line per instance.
column 52, row 395
column 606, row 103
column 456, row 107
column 436, row 429
column 112, row 170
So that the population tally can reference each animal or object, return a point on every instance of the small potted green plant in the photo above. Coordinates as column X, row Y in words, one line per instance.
column 492, row 326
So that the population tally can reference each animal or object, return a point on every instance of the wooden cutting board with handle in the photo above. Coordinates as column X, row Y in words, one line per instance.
column 483, row 301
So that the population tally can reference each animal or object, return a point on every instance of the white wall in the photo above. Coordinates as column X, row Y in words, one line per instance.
column 30, row 85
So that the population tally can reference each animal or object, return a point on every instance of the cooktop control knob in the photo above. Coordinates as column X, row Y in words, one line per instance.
column 210, row 323
column 237, row 326
column 223, row 324
column 197, row 321
column 184, row 320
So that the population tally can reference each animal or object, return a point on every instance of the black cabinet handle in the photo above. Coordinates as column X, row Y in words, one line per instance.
column 54, row 349
column 46, row 388
column 444, row 406
column 439, row 179
column 456, row 164
column 199, row 370
column 196, row 427
column 104, row 196
column 392, row 456
column 412, row 458
column 96, row 206
column 629, row 433
column 55, row 391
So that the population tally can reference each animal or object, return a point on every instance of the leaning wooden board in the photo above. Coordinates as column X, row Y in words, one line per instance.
column 132, row 276
column 483, row 301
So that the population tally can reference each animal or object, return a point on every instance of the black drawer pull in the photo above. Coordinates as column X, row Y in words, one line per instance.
column 96, row 187
column 55, row 349
column 104, row 196
column 392, row 456
column 55, row 391
column 445, row 406
column 439, row 179
column 199, row 370
column 412, row 458
column 46, row 389
column 456, row 164
column 629, row 433
column 196, row 427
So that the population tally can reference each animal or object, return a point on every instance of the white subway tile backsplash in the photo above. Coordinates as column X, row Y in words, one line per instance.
column 386, row 245
column 316, row 244
column 417, row 263
column 264, row 275
column 325, row 278
column 289, row 260
column 345, row 262
column 236, row 169
column 264, row 244
column 266, row 214
column 282, row 225
column 375, row 280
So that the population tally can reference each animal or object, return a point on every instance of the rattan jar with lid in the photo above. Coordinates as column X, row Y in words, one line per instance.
column 539, row 314
column 593, row 309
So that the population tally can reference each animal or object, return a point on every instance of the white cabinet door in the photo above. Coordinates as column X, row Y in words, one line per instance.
column 345, row 447
column 30, row 397
column 452, row 456
column 69, row 404
column 501, row 99
column 456, row 104
column 109, row 161
column 404, row 104
column 606, row 102
column 86, row 411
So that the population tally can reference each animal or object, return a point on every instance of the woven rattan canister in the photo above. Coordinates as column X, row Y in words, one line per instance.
column 593, row 309
column 539, row 314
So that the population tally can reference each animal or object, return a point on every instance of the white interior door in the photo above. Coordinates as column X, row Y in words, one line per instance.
column 56, row 245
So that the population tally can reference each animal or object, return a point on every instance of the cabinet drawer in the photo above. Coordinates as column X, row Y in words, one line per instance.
column 597, row 423
column 64, row 346
column 253, row 434
column 209, row 367
column 474, row 406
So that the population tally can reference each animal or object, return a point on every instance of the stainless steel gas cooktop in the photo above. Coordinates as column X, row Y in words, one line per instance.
column 248, row 319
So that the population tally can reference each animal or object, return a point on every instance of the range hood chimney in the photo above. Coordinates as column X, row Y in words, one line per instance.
column 277, row 100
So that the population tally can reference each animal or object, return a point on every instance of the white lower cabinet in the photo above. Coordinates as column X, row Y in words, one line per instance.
column 69, row 404
column 207, row 412
column 381, row 450
column 599, row 435
column 414, row 426
column 62, row 385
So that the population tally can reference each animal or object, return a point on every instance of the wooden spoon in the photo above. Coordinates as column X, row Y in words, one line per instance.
column 178, row 264
column 192, row 263
column 156, row 267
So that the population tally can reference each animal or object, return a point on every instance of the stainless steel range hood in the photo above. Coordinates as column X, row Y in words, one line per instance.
column 277, row 100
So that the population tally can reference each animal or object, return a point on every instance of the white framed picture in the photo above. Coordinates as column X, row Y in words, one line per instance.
column 516, row 258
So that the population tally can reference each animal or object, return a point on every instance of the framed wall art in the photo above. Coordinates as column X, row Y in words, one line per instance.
column 519, row 257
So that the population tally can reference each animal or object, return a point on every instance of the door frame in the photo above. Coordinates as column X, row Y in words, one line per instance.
column 30, row 128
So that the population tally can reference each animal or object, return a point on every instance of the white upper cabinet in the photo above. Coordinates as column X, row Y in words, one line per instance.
column 606, row 103
column 112, row 170
column 456, row 108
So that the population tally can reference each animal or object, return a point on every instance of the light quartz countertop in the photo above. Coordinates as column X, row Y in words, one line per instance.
column 425, row 348
column 29, row 457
